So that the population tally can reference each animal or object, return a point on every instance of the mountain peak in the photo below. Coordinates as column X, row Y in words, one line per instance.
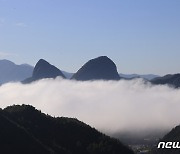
column 100, row 68
column 6, row 62
column 103, row 57
column 42, row 61
column 43, row 69
column 20, row 108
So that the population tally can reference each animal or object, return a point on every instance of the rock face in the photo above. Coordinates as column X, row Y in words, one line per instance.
column 25, row 130
column 10, row 72
column 45, row 70
column 101, row 68
column 172, row 80
column 42, row 70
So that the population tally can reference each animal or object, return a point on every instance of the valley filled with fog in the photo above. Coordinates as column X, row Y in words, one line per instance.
column 110, row 106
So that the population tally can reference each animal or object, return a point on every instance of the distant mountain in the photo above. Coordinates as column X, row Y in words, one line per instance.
column 25, row 130
column 101, row 68
column 172, row 136
column 125, row 76
column 42, row 70
column 67, row 74
column 132, row 76
column 172, row 80
column 10, row 72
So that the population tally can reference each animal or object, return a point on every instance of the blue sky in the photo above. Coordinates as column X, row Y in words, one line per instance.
column 140, row 36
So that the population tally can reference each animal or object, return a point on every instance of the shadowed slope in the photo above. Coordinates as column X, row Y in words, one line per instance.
column 172, row 80
column 53, row 135
column 172, row 136
column 101, row 68
column 44, row 70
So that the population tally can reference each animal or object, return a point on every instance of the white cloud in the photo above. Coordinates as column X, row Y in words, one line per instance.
column 21, row 24
column 107, row 105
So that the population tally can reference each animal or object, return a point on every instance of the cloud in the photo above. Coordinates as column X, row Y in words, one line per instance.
column 111, row 106
column 17, row 24
column 20, row 24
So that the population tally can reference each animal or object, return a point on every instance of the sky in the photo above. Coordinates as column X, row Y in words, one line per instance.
column 140, row 36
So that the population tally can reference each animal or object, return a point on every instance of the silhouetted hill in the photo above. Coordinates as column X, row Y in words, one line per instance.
column 172, row 80
column 42, row 70
column 101, row 68
column 15, row 139
column 9, row 71
column 172, row 136
column 26, row 130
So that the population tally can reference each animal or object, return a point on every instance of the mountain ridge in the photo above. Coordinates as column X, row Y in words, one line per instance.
column 11, row 72
column 39, row 133
column 169, row 79
column 144, row 76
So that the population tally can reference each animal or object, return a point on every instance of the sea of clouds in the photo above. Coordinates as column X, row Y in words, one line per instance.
column 111, row 106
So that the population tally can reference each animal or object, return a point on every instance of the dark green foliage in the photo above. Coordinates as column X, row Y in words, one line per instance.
column 15, row 139
column 101, row 68
column 26, row 130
